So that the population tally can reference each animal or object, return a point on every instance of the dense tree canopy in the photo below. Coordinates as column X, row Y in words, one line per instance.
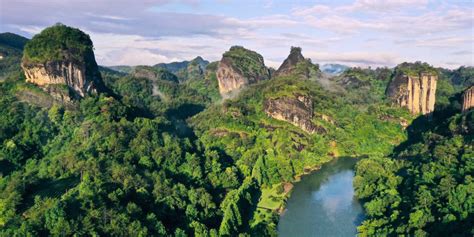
column 168, row 157
column 425, row 188
column 59, row 42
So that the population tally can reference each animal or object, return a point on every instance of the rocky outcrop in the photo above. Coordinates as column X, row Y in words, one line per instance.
column 61, row 60
column 290, row 62
column 240, row 67
column 414, row 90
column 468, row 99
column 296, row 64
column 297, row 110
column 76, row 76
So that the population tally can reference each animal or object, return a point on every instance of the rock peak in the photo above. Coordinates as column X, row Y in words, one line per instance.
column 62, row 57
column 238, row 68
column 295, row 50
column 295, row 63
column 413, row 85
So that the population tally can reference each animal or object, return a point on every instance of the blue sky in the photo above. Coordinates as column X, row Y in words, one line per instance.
column 357, row 33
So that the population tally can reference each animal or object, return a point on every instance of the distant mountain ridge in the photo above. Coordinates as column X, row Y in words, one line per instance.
column 334, row 69
column 11, row 47
column 13, row 40
column 174, row 67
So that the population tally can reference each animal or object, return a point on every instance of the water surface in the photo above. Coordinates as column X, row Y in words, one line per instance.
column 323, row 203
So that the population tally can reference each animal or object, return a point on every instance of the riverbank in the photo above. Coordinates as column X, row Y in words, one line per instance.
column 272, row 203
column 323, row 203
column 274, row 198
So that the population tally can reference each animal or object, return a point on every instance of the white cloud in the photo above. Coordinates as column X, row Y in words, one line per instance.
column 341, row 19
column 356, row 58
column 314, row 10
column 438, row 42
column 382, row 5
column 364, row 30
column 342, row 24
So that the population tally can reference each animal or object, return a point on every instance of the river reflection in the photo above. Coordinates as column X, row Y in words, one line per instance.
column 323, row 203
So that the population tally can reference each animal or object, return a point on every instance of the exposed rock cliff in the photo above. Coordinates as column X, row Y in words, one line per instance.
column 297, row 110
column 74, row 75
column 413, row 88
column 62, row 55
column 468, row 99
column 296, row 64
column 238, row 68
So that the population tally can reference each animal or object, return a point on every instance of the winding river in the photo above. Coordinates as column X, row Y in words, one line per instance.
column 323, row 203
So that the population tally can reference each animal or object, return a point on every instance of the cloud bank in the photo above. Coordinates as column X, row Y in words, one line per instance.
column 362, row 32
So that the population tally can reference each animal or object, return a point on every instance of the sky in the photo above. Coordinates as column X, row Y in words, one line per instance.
column 355, row 33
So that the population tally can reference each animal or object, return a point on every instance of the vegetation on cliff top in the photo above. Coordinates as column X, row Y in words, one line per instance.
column 59, row 42
column 161, row 159
column 414, row 69
column 248, row 62
column 272, row 151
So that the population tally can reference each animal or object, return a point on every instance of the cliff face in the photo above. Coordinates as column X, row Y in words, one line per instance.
column 240, row 67
column 74, row 75
column 229, row 78
column 297, row 110
column 417, row 93
column 61, row 59
column 468, row 99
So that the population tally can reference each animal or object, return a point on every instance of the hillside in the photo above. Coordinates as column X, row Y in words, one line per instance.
column 11, row 47
column 425, row 187
column 162, row 151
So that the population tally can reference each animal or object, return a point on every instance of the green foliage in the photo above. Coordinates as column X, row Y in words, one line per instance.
column 249, row 63
column 459, row 79
column 154, row 73
column 13, row 40
column 208, row 85
column 463, row 76
column 365, row 86
column 426, row 187
column 161, row 158
column 11, row 46
column 58, row 42
column 100, row 169
column 414, row 69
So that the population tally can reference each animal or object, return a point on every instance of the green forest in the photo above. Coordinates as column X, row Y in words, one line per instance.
column 162, row 154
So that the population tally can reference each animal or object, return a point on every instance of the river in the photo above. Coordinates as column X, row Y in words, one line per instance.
column 323, row 203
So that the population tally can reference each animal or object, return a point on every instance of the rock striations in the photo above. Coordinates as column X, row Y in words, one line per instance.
column 297, row 110
column 468, row 99
column 414, row 86
column 61, row 61
column 240, row 67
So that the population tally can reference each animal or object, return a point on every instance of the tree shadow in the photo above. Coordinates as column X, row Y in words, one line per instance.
column 6, row 168
column 47, row 189
column 436, row 121
column 185, row 111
